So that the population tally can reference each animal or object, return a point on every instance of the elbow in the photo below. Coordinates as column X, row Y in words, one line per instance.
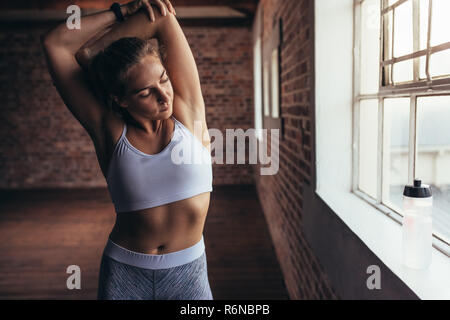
column 45, row 40
column 49, row 39
column 54, row 37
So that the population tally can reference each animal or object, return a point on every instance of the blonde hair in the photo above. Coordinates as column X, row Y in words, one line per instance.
column 109, row 69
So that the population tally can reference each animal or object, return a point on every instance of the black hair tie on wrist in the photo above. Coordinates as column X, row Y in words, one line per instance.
column 115, row 7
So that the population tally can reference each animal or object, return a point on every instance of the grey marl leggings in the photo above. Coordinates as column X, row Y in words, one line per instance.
column 129, row 275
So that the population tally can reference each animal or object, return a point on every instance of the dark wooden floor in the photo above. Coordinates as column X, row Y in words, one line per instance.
column 43, row 232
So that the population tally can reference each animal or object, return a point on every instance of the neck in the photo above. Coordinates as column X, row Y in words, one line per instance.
column 148, row 126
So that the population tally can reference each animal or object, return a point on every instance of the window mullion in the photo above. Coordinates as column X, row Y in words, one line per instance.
column 386, row 45
column 392, row 47
column 427, row 66
column 412, row 156
column 382, row 68
column 416, row 37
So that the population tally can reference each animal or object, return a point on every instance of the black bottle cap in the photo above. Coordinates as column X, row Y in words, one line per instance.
column 418, row 190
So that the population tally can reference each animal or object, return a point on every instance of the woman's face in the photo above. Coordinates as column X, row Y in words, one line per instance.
column 149, row 92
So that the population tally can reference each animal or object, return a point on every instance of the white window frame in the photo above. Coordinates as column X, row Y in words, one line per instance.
column 333, row 83
column 266, row 76
column 257, row 74
column 412, row 90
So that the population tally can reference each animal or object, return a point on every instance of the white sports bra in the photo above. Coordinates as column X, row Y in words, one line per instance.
column 137, row 180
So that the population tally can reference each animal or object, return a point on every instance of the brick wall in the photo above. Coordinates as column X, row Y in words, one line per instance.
column 281, row 195
column 225, row 63
column 43, row 145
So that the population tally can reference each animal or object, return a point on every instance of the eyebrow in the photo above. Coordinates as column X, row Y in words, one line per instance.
column 149, row 87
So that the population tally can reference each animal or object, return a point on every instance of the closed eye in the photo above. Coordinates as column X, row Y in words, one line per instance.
column 150, row 90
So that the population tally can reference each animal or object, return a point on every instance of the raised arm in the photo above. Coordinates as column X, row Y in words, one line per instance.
column 180, row 64
column 61, row 48
column 179, row 61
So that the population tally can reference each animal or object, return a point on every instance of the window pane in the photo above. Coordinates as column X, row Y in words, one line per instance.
column 433, row 156
column 368, row 137
column 266, row 88
column 388, row 17
column 274, row 77
column 396, row 149
column 423, row 9
column 440, row 63
column 403, row 29
column 387, row 47
column 403, row 71
column 440, row 22
column 370, row 46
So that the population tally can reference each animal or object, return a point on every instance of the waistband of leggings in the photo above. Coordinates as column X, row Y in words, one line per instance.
column 154, row 261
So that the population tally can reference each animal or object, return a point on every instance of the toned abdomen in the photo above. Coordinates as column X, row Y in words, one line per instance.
column 163, row 229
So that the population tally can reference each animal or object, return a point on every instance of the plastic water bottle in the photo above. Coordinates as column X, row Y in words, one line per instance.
column 417, row 225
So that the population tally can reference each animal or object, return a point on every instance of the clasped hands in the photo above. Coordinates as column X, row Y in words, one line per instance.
column 164, row 6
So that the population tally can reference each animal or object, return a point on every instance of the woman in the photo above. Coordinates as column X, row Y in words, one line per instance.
column 117, row 86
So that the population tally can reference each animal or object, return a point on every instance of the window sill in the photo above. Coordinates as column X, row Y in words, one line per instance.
column 366, row 222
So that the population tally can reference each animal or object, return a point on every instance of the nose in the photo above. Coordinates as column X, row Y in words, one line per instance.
column 163, row 96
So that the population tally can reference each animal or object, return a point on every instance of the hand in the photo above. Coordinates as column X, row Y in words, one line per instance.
column 134, row 6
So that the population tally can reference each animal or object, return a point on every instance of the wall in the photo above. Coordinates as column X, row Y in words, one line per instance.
column 320, row 257
column 281, row 195
column 43, row 145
